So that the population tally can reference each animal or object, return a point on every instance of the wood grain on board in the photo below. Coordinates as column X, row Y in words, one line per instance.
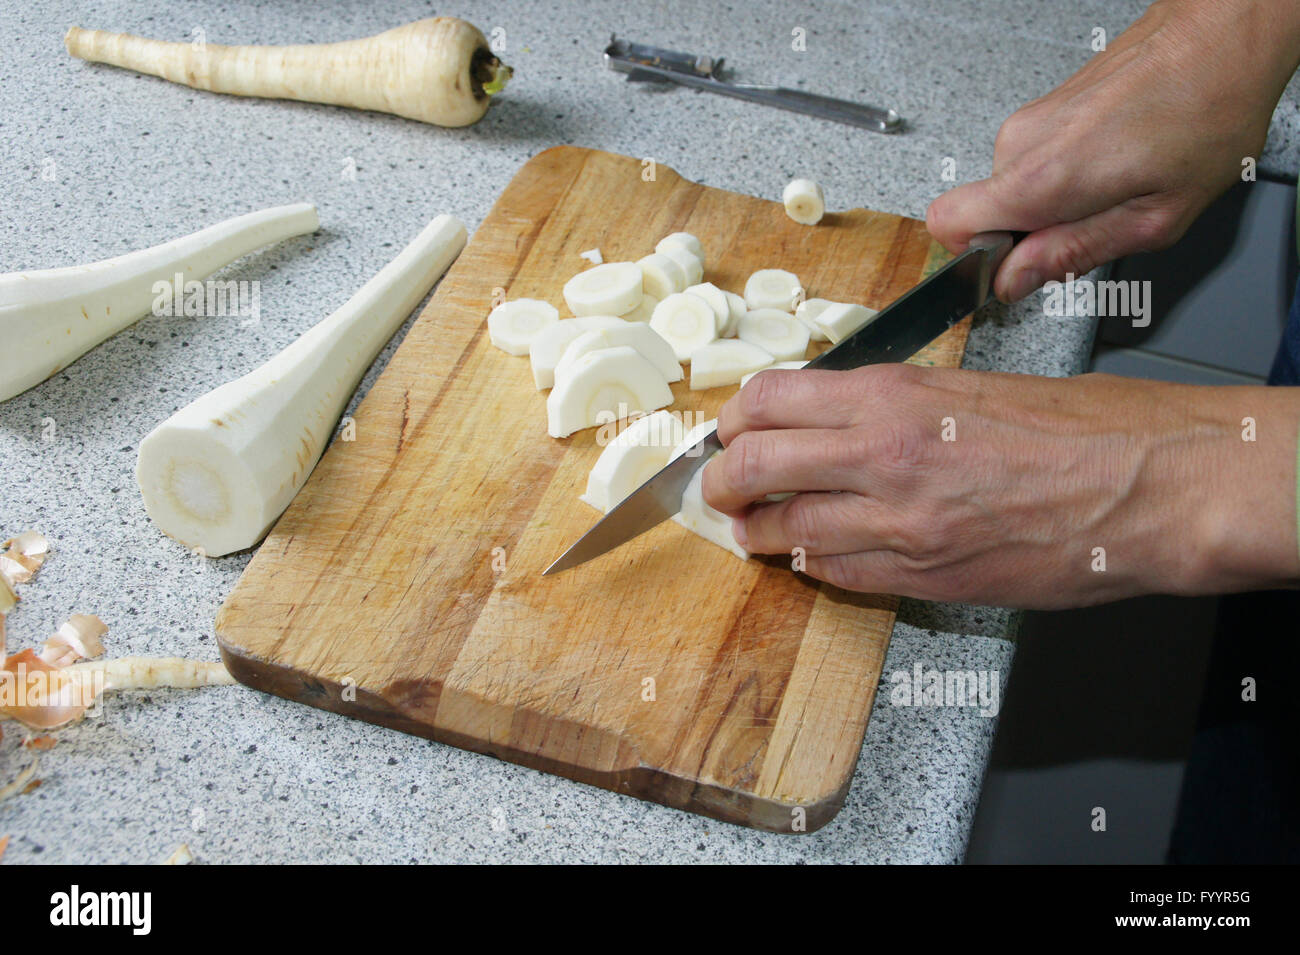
column 403, row 585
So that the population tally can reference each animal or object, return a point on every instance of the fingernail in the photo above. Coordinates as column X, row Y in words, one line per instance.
column 738, row 531
column 1024, row 282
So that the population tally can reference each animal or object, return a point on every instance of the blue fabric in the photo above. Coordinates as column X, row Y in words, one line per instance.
column 1286, row 365
column 1240, row 802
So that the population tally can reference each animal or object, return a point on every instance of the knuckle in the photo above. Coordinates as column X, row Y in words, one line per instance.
column 1073, row 254
column 743, row 462
column 1155, row 229
column 836, row 571
column 884, row 381
column 763, row 394
column 1045, row 177
column 899, row 447
column 799, row 525
column 1011, row 135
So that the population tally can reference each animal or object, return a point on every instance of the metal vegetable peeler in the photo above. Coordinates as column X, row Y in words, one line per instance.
column 650, row 63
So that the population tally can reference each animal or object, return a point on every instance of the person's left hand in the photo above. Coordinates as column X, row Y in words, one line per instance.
column 1012, row 489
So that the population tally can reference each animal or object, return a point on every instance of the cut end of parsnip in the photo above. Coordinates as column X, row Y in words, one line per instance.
column 691, row 262
column 603, row 386
column 807, row 313
column 773, row 288
column 633, row 334
column 200, row 492
column 218, row 472
column 638, row 453
column 839, row 320
column 614, row 288
column 547, row 347
column 661, row 276
column 804, row 201
column 778, row 333
column 682, row 240
column 512, row 326
column 686, row 322
column 716, row 299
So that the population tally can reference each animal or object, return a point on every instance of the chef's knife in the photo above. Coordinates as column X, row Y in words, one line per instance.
column 897, row 333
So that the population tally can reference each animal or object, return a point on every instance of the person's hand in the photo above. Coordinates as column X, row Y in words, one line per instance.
column 1127, row 152
column 1049, row 493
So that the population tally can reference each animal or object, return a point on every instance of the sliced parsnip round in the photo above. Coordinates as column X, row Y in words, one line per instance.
column 513, row 325
column 604, row 386
column 692, row 264
column 807, row 313
column 737, row 309
column 548, row 346
column 717, row 301
column 804, row 201
column 643, row 311
column 779, row 366
column 661, row 276
column 778, row 333
column 634, row 334
column 610, row 289
column 685, row 322
column 682, row 240
column 773, row 288
column 636, row 455
column 725, row 363
column 839, row 320
column 696, row 516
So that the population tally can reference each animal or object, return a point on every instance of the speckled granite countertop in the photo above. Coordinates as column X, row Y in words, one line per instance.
column 97, row 161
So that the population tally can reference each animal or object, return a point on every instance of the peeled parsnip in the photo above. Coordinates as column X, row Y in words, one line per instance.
column 217, row 473
column 50, row 318
column 440, row 70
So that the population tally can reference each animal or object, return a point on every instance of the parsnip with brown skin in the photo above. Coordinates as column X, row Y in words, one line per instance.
column 438, row 70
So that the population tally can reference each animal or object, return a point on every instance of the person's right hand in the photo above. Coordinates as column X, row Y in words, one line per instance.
column 1130, row 150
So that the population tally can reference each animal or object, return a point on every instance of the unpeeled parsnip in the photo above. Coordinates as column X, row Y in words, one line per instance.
column 50, row 318
column 438, row 70
column 217, row 473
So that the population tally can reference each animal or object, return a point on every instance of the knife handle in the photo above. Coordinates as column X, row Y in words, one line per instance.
column 998, row 244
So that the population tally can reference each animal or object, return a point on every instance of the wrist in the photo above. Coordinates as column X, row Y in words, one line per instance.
column 1240, row 496
column 1265, row 34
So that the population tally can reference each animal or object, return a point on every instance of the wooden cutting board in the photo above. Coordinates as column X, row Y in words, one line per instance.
column 403, row 585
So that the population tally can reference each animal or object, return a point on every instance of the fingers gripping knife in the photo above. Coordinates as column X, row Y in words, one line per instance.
column 651, row 63
column 895, row 334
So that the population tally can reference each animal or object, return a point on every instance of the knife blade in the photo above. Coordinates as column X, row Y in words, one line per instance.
column 895, row 334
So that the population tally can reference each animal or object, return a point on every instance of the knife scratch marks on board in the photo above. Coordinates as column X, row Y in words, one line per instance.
column 406, row 419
